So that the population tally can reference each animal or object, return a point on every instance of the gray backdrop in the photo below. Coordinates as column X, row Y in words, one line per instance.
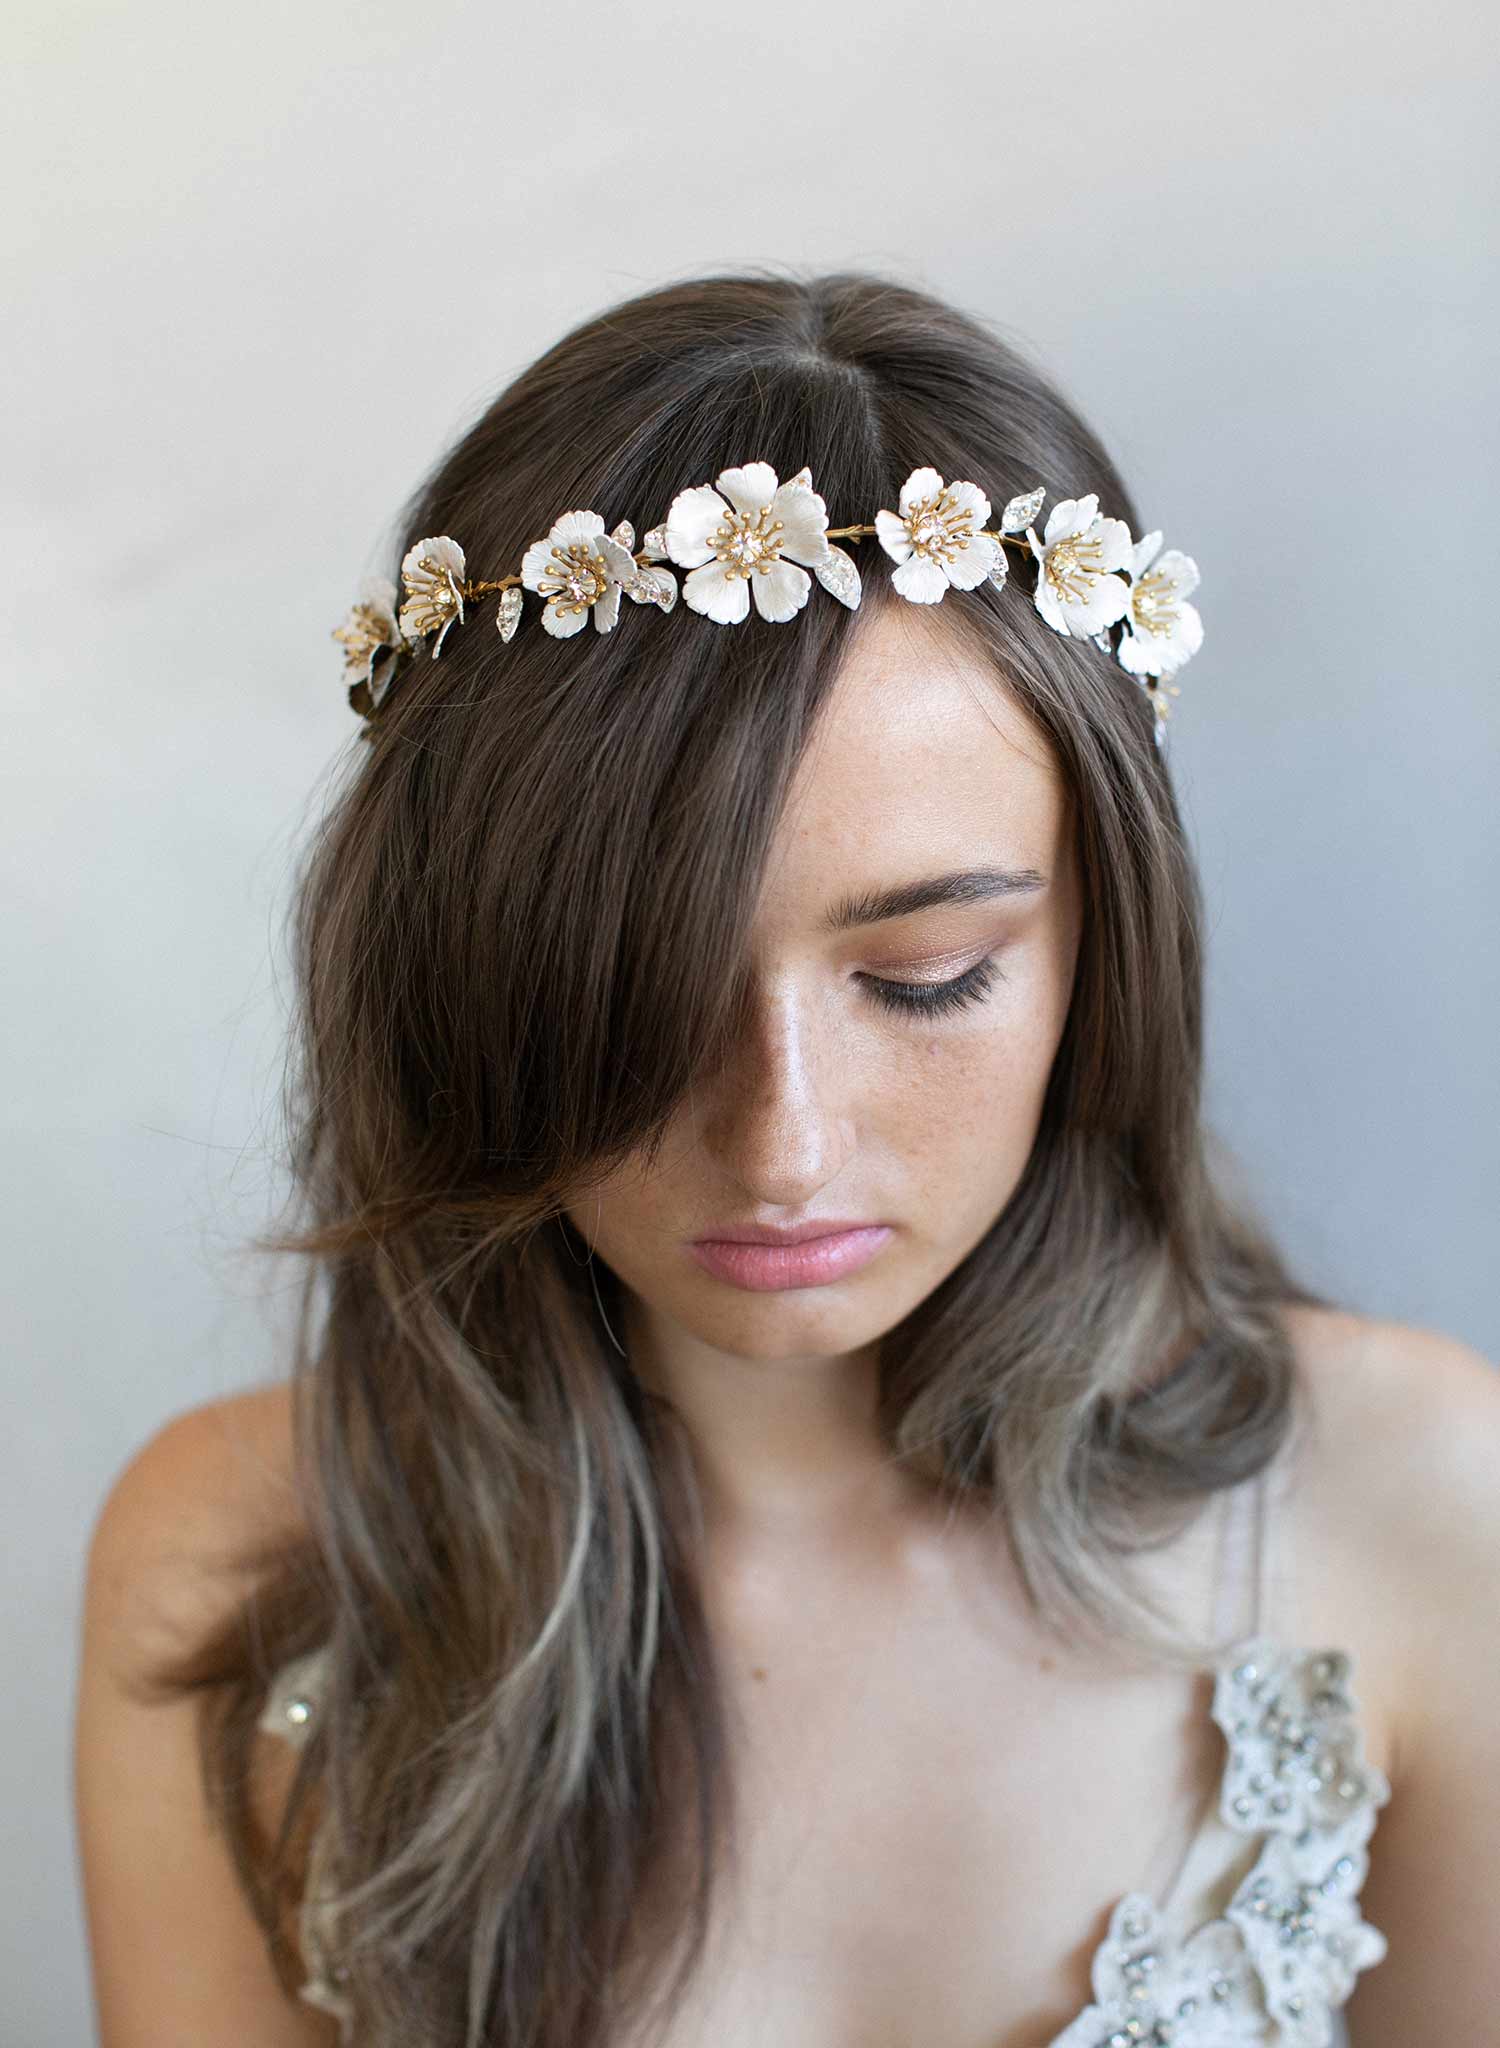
column 262, row 263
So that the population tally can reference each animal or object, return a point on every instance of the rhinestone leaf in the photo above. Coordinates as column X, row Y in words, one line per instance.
column 1020, row 512
column 508, row 614
column 999, row 569
column 624, row 533
column 652, row 586
column 654, row 546
column 836, row 571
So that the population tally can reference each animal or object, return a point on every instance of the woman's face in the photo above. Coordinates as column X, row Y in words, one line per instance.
column 845, row 1102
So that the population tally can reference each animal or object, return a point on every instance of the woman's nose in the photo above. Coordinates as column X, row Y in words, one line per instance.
column 781, row 1118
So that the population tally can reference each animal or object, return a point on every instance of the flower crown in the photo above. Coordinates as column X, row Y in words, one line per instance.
column 747, row 533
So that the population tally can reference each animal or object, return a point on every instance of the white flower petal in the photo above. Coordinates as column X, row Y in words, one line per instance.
column 1186, row 637
column 1047, row 604
column 968, row 567
column 440, row 549
column 750, row 487
column 1113, row 536
column 607, row 609
column 618, row 560
column 1063, row 522
column 781, row 592
column 969, row 498
column 575, row 526
column 922, row 483
column 562, row 625
column 1107, row 599
column 1134, row 654
column 716, row 595
column 921, row 580
column 534, row 564
column 893, row 534
column 694, row 515
column 1182, row 569
column 804, row 518
column 1144, row 553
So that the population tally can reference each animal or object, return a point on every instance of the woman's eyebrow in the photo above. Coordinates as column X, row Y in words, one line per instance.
column 963, row 885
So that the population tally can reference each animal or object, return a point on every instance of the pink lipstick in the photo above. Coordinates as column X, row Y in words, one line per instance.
column 811, row 1255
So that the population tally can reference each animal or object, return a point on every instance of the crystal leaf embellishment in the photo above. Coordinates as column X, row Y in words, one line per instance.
column 624, row 533
column 508, row 616
column 837, row 573
column 999, row 569
column 1020, row 512
column 654, row 546
column 653, row 586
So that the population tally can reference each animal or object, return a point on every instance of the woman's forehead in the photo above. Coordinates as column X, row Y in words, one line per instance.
column 920, row 749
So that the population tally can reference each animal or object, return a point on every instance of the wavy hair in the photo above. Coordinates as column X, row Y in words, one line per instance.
column 520, row 932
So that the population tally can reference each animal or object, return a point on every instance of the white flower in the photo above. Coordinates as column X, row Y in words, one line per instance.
column 369, row 625
column 937, row 539
column 1076, row 592
column 752, row 542
column 433, row 572
column 579, row 569
column 1162, row 629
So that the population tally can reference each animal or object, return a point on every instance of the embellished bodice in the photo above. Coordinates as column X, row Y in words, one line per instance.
column 1276, row 1963
column 1276, row 1942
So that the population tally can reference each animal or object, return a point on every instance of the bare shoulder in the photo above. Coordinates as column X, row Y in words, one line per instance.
column 1382, row 1380
column 1390, row 1507
column 171, row 1556
column 1396, row 1514
column 173, row 1544
column 1402, row 1432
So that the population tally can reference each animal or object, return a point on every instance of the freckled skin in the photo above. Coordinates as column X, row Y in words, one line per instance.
column 835, row 1106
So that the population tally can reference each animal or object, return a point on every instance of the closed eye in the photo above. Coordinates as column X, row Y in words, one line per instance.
column 930, row 998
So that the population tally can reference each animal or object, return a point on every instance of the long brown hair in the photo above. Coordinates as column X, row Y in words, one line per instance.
column 519, row 933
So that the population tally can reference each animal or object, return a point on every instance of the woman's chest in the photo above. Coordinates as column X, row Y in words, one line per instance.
column 935, row 1819
column 926, row 1846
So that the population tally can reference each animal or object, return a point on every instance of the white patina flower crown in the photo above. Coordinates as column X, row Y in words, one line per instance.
column 747, row 533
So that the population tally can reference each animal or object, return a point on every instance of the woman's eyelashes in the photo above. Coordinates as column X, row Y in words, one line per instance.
column 926, row 998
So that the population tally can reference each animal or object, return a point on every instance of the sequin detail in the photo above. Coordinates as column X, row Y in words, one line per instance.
column 291, row 1707
column 1275, row 1966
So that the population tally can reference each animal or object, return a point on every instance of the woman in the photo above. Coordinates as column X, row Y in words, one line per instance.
column 1001, row 1621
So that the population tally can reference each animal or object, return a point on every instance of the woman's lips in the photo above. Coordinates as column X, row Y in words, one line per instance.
column 763, row 1268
